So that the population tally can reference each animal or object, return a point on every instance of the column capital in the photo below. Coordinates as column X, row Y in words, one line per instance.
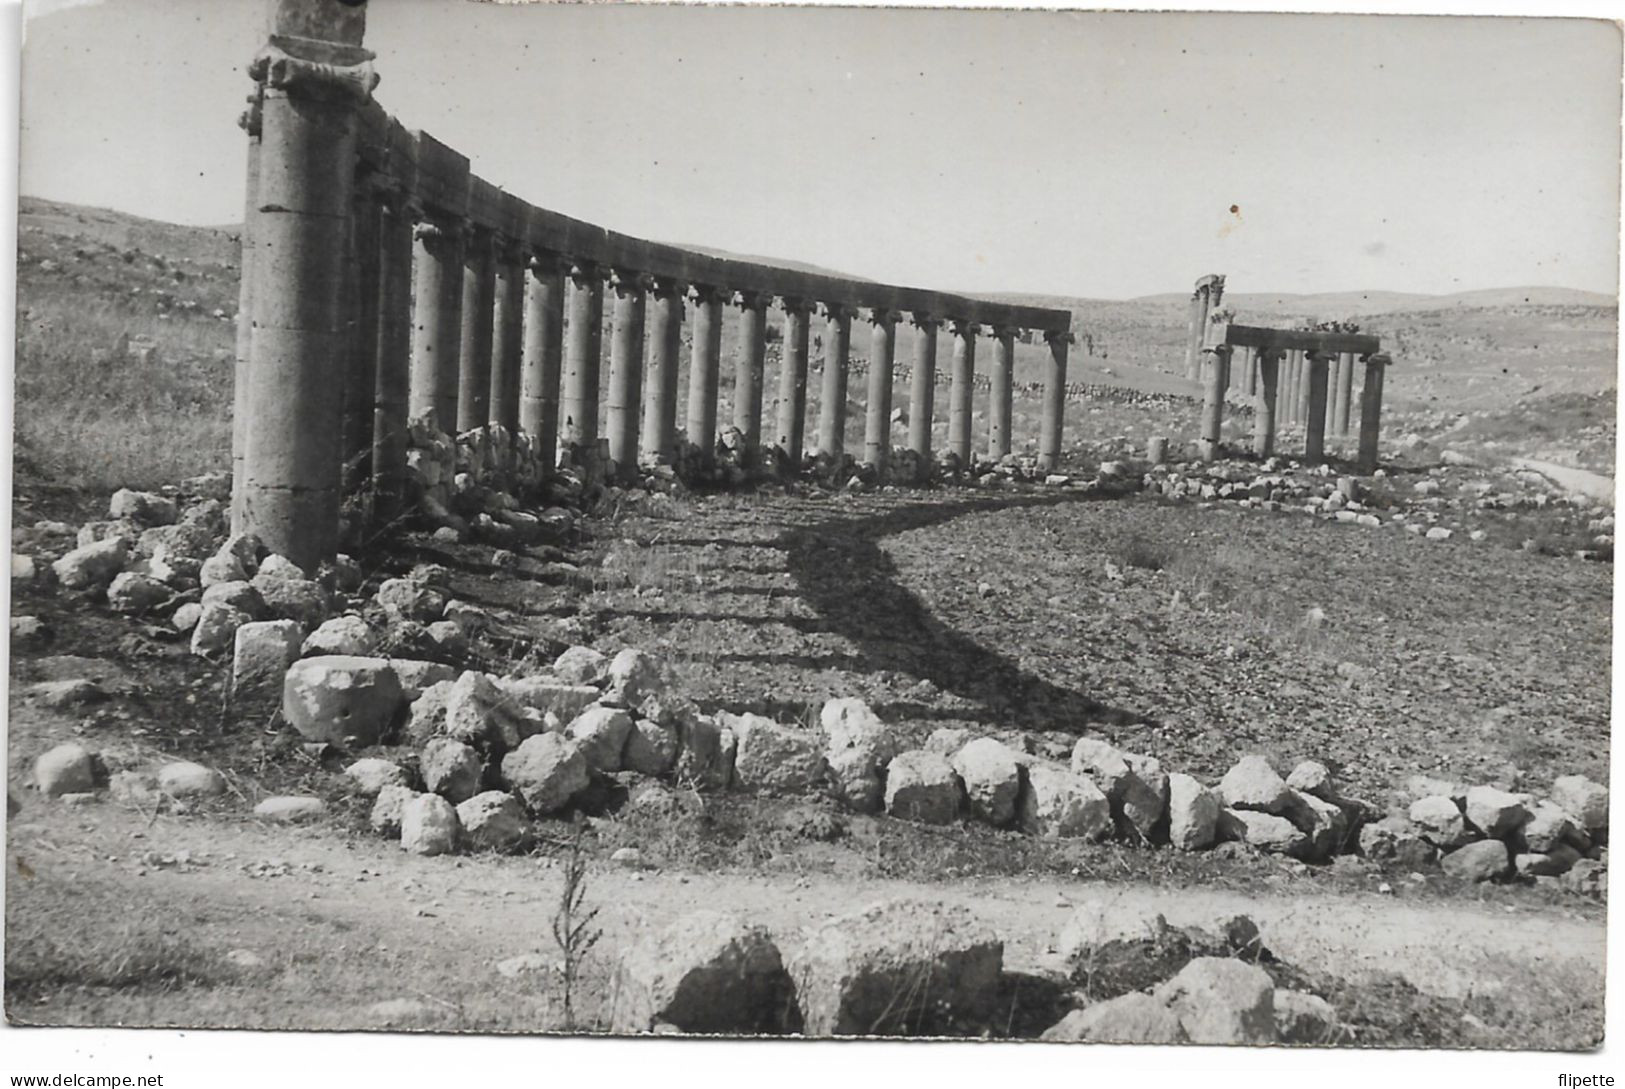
column 667, row 287
column 344, row 74
column 925, row 322
column 836, row 310
column 547, row 262
column 1272, row 354
column 796, row 304
column 584, row 272
column 1002, row 332
column 1059, row 336
column 511, row 251
column 706, row 294
column 751, row 299
column 962, row 327
column 249, row 120
column 882, row 315
column 1378, row 359
column 625, row 281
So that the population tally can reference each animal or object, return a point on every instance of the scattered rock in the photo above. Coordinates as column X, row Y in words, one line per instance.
column 633, row 677
column 902, row 967
column 651, row 748
column 216, row 628
column 1440, row 820
column 1253, row 784
column 857, row 748
column 135, row 594
column 184, row 779
column 1193, row 813
column 706, row 754
column 1554, row 863
column 1222, row 1001
column 92, row 565
column 346, row 635
column 1481, row 861
column 64, row 694
column 290, row 809
column 429, row 825
column 546, row 770
column 263, row 651
column 451, row 769
column 922, row 786
column 1495, row 813
column 600, row 734
column 341, row 699
column 1133, row 1018
column 1262, row 831
column 68, row 768
column 1061, row 804
column 706, row 972
column 494, row 821
column 409, row 599
column 771, row 757
column 1303, row 1018
column 1585, row 800
column 387, row 809
column 992, row 779
column 145, row 508
column 1396, row 839
column 372, row 774
column 582, row 665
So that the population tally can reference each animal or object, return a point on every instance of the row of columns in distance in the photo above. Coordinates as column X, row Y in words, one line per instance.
column 1293, row 395
column 515, row 339
column 1313, row 380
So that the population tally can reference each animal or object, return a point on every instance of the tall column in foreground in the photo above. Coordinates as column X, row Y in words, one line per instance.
column 1314, row 429
column 543, row 356
column 578, row 406
column 882, row 353
column 250, row 123
column 923, row 391
column 703, row 366
column 479, row 305
column 314, row 75
column 625, row 374
column 962, row 390
column 748, row 371
column 1345, row 394
column 660, row 388
column 1269, row 363
column 392, row 380
column 1004, row 365
column 1215, row 371
column 792, row 414
column 832, row 397
column 508, row 337
column 1371, row 410
column 1054, row 410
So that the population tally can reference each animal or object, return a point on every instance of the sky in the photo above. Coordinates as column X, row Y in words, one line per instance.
column 1104, row 155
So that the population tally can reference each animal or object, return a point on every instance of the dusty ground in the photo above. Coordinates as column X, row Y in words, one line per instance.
column 941, row 608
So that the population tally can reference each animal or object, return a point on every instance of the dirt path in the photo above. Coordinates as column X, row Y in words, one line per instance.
column 1574, row 480
column 339, row 935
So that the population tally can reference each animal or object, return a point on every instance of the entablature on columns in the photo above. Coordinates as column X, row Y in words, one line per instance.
column 1304, row 340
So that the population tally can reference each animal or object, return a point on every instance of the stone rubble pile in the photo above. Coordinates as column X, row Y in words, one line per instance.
column 908, row 967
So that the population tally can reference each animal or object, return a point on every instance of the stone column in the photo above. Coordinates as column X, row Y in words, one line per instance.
column 832, row 397
column 962, row 391
column 1304, row 383
column 1249, row 371
column 1054, row 411
column 793, row 381
column 660, row 390
column 1334, row 369
column 474, row 346
column 1265, row 400
column 584, row 332
column 625, row 374
column 923, row 390
column 509, row 335
column 704, row 362
column 543, row 357
column 1314, row 428
column 361, row 304
column 1371, row 410
column 314, row 76
column 250, row 124
column 437, row 314
column 748, row 370
column 392, row 383
column 1214, row 370
column 1345, row 394
column 1002, row 403
column 882, row 353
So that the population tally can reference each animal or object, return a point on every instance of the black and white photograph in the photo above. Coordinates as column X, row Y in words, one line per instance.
column 1085, row 531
